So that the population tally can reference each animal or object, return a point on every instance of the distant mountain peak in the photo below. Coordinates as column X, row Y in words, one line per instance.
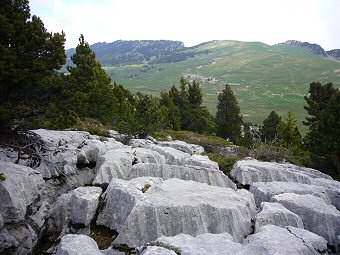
column 313, row 47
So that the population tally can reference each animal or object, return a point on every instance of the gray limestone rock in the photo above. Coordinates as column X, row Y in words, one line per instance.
column 248, row 171
column 264, row 191
column 143, row 155
column 317, row 216
column 84, row 203
column 77, row 245
column 214, row 178
column 155, row 250
column 276, row 214
column 332, row 188
column 183, row 146
column 143, row 209
column 1, row 221
column 201, row 162
column 172, row 156
column 59, row 215
column 271, row 240
column 140, row 143
column 113, row 164
column 22, row 187
column 212, row 244
column 319, row 243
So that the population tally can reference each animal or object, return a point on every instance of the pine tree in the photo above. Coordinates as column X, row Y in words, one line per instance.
column 89, row 88
column 172, row 111
column 269, row 130
column 289, row 132
column 323, row 138
column 228, row 117
column 28, row 57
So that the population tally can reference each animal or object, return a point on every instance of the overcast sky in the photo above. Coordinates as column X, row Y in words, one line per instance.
column 193, row 21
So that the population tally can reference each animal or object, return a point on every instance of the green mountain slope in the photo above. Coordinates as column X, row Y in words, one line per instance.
column 263, row 77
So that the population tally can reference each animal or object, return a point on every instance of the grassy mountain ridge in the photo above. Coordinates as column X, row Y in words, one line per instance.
column 263, row 77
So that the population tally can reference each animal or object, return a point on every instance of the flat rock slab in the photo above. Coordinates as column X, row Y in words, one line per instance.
column 214, row 178
column 22, row 187
column 276, row 214
column 143, row 209
column 271, row 240
column 212, row 244
column 317, row 216
column 264, row 191
column 77, row 245
column 84, row 204
column 183, row 146
column 172, row 156
column 248, row 171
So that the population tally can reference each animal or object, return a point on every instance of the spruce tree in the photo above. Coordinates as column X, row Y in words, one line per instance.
column 173, row 112
column 323, row 138
column 29, row 56
column 289, row 132
column 228, row 117
column 269, row 130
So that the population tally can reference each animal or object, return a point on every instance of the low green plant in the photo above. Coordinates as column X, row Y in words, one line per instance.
column 166, row 246
column 146, row 188
column 225, row 163
column 208, row 142
column 94, row 127
column 2, row 177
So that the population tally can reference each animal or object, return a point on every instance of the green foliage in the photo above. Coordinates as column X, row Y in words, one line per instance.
column 28, row 57
column 289, row 132
column 269, row 129
column 151, row 115
column 210, row 143
column 323, row 138
column 228, row 117
column 2, row 177
column 188, row 100
column 166, row 246
column 173, row 113
column 225, row 163
column 88, row 91
column 94, row 127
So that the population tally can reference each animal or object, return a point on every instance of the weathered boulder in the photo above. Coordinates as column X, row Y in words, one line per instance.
column 22, row 187
column 214, row 178
column 143, row 155
column 21, row 208
column 332, row 188
column 264, row 191
column 59, row 151
column 201, row 162
column 248, row 171
column 77, row 245
column 156, row 250
column 271, row 240
column 317, row 216
column 213, row 244
column 183, row 146
column 140, row 143
column 276, row 214
column 143, row 209
column 113, row 164
column 84, row 203
column 59, row 216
